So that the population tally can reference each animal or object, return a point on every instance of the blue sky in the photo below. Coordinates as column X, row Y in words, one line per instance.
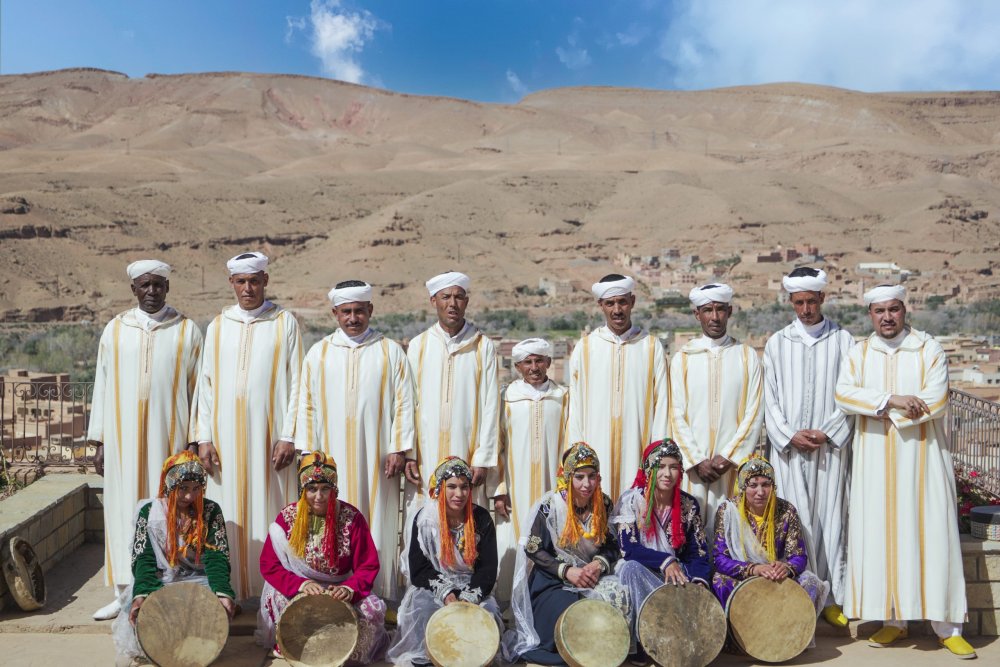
column 500, row 50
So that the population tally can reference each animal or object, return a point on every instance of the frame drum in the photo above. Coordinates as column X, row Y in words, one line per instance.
column 682, row 626
column 462, row 634
column 771, row 621
column 182, row 625
column 317, row 631
column 592, row 633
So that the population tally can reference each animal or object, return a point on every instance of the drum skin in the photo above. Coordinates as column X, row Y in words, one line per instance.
column 182, row 625
column 592, row 633
column 462, row 634
column 682, row 626
column 771, row 621
column 317, row 631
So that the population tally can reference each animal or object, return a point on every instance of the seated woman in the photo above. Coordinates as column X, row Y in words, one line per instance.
column 757, row 534
column 450, row 556
column 317, row 545
column 659, row 527
column 569, row 553
column 180, row 536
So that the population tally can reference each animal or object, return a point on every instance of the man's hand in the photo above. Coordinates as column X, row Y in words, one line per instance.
column 283, row 454
column 721, row 464
column 581, row 577
column 501, row 505
column 99, row 459
column 804, row 441
column 209, row 457
column 706, row 472
column 312, row 588
column 451, row 598
column 228, row 605
column 394, row 464
column 913, row 406
column 133, row 613
column 478, row 476
column 674, row 574
column 412, row 472
column 341, row 593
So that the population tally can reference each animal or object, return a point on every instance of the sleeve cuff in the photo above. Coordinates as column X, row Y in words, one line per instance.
column 563, row 567
column 880, row 410
column 605, row 565
column 667, row 562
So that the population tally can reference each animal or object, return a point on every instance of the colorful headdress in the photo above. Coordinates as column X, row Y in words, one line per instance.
column 316, row 467
column 758, row 466
column 184, row 467
column 448, row 467
column 645, row 479
column 580, row 455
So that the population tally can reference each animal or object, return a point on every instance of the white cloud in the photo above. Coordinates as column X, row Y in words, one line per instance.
column 515, row 83
column 632, row 35
column 865, row 45
column 337, row 37
column 575, row 56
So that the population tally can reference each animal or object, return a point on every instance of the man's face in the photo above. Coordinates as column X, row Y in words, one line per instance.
column 618, row 312
column 249, row 289
column 150, row 292
column 888, row 317
column 713, row 318
column 451, row 303
column 534, row 368
column 808, row 306
column 353, row 317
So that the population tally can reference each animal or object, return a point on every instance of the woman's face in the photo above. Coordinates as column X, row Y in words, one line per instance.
column 317, row 496
column 187, row 494
column 668, row 474
column 758, row 491
column 456, row 493
column 585, row 483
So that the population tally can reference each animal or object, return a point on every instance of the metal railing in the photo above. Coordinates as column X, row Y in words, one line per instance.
column 974, row 429
column 45, row 422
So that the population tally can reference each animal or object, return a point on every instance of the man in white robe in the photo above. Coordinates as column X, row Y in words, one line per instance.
column 809, row 435
column 247, row 401
column 532, row 439
column 716, row 388
column 147, row 367
column 456, row 374
column 356, row 405
column 618, row 386
column 904, row 560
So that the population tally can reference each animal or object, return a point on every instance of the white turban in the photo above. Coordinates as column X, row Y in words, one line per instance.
column 885, row 293
column 446, row 280
column 143, row 266
column 530, row 346
column 706, row 294
column 254, row 264
column 356, row 293
column 815, row 283
column 612, row 288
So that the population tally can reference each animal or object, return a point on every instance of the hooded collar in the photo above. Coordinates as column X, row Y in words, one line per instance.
column 633, row 335
column 267, row 311
column 914, row 340
column 519, row 390
column 134, row 317
column 467, row 337
column 795, row 331
column 341, row 339
column 701, row 345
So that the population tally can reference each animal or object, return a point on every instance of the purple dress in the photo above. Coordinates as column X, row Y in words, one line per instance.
column 789, row 548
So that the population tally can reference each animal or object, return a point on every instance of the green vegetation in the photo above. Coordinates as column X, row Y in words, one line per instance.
column 61, row 348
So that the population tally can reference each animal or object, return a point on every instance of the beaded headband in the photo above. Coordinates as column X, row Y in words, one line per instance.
column 755, row 466
column 580, row 455
column 448, row 467
column 317, row 467
column 182, row 467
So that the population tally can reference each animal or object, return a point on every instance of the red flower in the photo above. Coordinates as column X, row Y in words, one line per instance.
column 973, row 474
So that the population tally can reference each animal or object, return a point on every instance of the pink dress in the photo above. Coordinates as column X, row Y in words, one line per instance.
column 356, row 567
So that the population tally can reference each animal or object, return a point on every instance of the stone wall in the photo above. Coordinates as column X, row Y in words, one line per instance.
column 55, row 514
column 981, row 560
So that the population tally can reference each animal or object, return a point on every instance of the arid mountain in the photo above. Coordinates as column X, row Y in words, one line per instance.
column 338, row 181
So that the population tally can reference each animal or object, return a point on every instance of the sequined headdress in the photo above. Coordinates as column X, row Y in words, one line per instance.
column 184, row 467
column 580, row 455
column 645, row 479
column 757, row 466
column 448, row 467
column 316, row 467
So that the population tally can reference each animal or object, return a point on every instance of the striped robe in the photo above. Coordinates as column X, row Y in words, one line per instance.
column 903, row 553
column 715, row 409
column 247, row 399
column 144, row 390
column 356, row 404
column 618, row 400
column 458, row 402
column 799, row 385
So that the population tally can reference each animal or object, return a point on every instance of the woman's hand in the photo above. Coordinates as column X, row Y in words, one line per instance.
column 674, row 574
column 451, row 598
column 341, row 593
column 228, row 605
column 312, row 588
column 582, row 577
column 773, row 571
column 133, row 613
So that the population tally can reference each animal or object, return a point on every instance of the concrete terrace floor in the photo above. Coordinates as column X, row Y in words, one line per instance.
column 63, row 633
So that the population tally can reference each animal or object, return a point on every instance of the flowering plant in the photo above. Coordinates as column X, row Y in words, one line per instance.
column 970, row 494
